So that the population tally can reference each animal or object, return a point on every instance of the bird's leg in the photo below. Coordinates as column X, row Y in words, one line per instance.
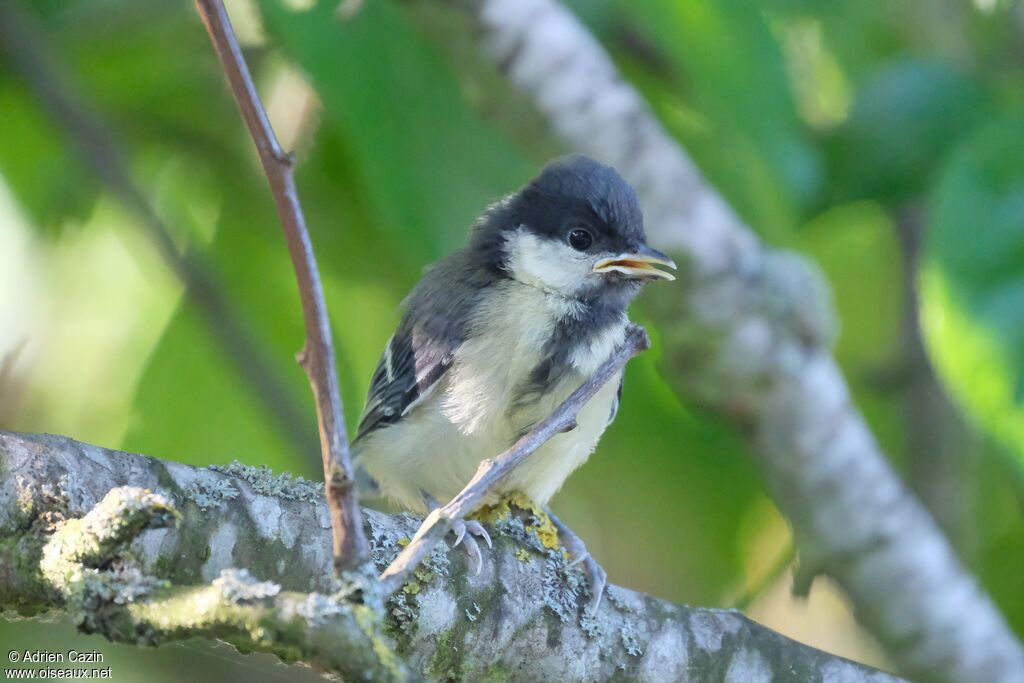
column 596, row 574
column 460, row 527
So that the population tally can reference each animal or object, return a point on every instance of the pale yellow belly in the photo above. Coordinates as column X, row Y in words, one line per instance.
column 427, row 453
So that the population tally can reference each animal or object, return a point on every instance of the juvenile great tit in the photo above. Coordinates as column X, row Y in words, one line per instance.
column 499, row 333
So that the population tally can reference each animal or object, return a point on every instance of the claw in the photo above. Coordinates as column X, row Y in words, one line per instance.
column 468, row 542
column 460, row 533
column 477, row 529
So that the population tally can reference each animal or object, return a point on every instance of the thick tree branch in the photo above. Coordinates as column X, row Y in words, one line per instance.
column 105, row 591
column 30, row 55
column 493, row 471
column 747, row 334
column 317, row 357
column 521, row 619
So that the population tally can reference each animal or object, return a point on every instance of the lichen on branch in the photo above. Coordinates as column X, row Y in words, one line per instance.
column 105, row 591
column 79, row 546
column 258, row 575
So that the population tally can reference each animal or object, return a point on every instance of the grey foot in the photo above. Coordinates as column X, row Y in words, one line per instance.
column 596, row 574
column 468, row 542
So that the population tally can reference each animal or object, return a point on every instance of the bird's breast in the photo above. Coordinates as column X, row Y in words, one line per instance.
column 479, row 407
column 508, row 334
column 521, row 360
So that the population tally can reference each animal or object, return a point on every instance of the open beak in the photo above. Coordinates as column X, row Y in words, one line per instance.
column 640, row 265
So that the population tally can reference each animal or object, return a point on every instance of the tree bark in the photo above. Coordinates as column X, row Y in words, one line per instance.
column 521, row 619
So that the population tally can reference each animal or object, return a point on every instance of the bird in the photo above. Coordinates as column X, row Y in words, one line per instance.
column 497, row 334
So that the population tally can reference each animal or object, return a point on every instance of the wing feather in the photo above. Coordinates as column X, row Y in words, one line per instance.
column 412, row 364
column 424, row 345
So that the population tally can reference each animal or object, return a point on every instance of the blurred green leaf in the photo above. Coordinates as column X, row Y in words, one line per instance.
column 48, row 180
column 903, row 121
column 427, row 162
column 144, row 66
column 190, row 380
column 1000, row 495
column 869, row 36
column 973, row 281
column 856, row 246
column 115, row 69
column 728, row 64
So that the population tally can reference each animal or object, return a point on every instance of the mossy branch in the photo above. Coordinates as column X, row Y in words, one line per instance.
column 105, row 591
column 80, row 546
column 73, row 539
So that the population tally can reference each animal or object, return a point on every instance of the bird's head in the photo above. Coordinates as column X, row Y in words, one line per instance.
column 574, row 230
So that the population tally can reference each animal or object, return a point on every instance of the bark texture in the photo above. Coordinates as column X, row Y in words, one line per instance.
column 249, row 561
column 747, row 333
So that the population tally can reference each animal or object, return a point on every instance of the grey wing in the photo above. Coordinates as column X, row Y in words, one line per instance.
column 615, row 404
column 423, row 347
column 410, row 367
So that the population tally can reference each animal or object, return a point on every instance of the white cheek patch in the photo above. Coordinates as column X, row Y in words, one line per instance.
column 548, row 264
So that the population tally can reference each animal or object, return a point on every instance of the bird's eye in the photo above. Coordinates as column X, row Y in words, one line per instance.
column 580, row 239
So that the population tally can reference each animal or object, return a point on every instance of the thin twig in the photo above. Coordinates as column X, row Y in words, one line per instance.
column 492, row 471
column 27, row 49
column 317, row 356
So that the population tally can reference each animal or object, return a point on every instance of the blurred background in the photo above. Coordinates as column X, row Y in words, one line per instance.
column 885, row 140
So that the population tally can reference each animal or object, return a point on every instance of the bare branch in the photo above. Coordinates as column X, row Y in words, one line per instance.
column 317, row 357
column 30, row 54
column 747, row 334
column 491, row 472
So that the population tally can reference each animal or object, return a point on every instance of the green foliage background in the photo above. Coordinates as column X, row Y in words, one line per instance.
column 845, row 130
